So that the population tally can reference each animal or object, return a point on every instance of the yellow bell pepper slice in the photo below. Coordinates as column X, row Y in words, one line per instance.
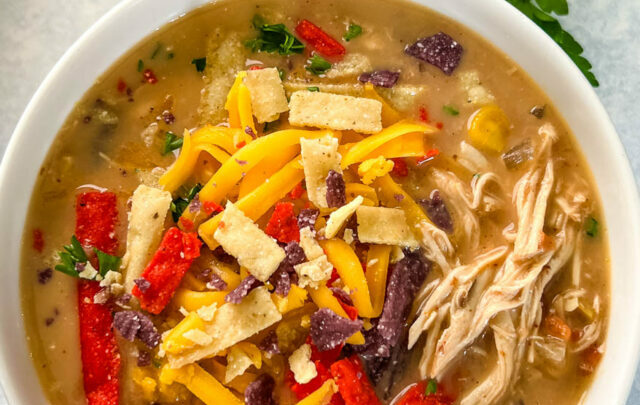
column 377, row 266
column 202, row 384
column 194, row 300
column 258, row 202
column 389, row 114
column 294, row 300
column 344, row 259
column 353, row 190
column 362, row 149
column 266, row 168
column 371, row 169
column 388, row 191
column 323, row 298
column 322, row 395
column 488, row 128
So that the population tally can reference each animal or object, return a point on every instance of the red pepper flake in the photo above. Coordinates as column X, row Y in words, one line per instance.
column 165, row 271
column 424, row 114
column 417, row 395
column 211, row 207
column 430, row 155
column 320, row 40
column 353, row 384
column 149, row 76
column 283, row 224
column 400, row 168
column 296, row 192
column 240, row 144
column 255, row 67
column 439, row 125
column 221, row 225
column 38, row 240
column 122, row 86
column 333, row 278
column 186, row 224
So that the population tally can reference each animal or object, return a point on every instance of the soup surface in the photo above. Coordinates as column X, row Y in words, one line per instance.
column 339, row 201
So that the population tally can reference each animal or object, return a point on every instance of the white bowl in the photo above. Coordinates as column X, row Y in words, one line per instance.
column 495, row 20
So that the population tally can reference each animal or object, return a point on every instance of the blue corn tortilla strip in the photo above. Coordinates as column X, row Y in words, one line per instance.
column 295, row 253
column 243, row 289
column 134, row 324
column 336, row 190
column 260, row 391
column 281, row 279
column 270, row 343
column 307, row 218
column 440, row 50
column 329, row 330
column 437, row 212
column 380, row 78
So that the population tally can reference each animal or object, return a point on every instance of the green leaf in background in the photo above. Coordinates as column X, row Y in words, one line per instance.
column 541, row 14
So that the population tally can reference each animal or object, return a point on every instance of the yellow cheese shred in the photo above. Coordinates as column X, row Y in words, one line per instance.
column 202, row 384
column 266, row 168
column 377, row 266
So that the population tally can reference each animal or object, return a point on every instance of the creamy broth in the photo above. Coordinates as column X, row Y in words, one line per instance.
column 114, row 138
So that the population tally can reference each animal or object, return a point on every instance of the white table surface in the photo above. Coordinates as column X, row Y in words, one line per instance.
column 35, row 33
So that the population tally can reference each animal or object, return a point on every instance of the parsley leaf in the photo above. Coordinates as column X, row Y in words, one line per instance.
column 74, row 254
column 156, row 51
column 432, row 387
column 180, row 204
column 140, row 65
column 318, row 65
column 541, row 15
column 591, row 227
column 313, row 88
column 451, row 110
column 171, row 143
column 107, row 262
column 273, row 38
column 353, row 31
column 200, row 63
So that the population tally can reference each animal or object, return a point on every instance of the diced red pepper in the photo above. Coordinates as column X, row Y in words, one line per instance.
column 319, row 40
column 186, row 224
column 416, row 395
column 283, row 224
column 296, row 192
column 439, row 125
column 327, row 357
column 96, row 217
column 164, row 272
column 333, row 278
column 241, row 144
column 400, row 168
column 122, row 86
column 353, row 384
column 302, row 391
column 430, row 155
column 424, row 114
column 211, row 207
column 38, row 240
column 255, row 67
column 149, row 76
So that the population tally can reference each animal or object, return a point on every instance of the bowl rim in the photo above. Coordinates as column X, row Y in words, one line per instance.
column 494, row 20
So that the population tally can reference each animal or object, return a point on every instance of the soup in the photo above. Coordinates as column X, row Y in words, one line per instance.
column 311, row 202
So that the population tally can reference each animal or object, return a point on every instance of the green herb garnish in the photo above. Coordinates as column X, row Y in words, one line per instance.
column 432, row 387
column 591, row 227
column 180, row 204
column 313, row 88
column 170, row 55
column 318, row 65
column 200, row 63
column 273, row 38
column 353, row 31
column 74, row 254
column 140, row 65
column 171, row 143
column 451, row 110
column 281, row 73
column 541, row 15
column 156, row 51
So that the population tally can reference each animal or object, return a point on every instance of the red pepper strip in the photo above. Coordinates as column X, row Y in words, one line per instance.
column 327, row 357
column 283, row 224
column 352, row 381
column 96, row 217
column 320, row 40
column 302, row 391
column 164, row 272
column 417, row 396
column 400, row 168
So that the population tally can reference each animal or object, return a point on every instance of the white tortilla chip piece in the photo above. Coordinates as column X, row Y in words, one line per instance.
column 477, row 94
column 314, row 272
column 238, row 361
column 232, row 323
column 347, row 89
column 149, row 207
column 243, row 239
column 267, row 94
column 333, row 111
column 353, row 64
column 310, row 246
column 340, row 216
column 403, row 97
column 384, row 226
column 319, row 156
column 301, row 365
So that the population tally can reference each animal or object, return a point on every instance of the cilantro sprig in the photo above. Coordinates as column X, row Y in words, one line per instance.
column 171, row 143
column 74, row 254
column 180, row 204
column 317, row 65
column 273, row 38
column 353, row 31
column 542, row 13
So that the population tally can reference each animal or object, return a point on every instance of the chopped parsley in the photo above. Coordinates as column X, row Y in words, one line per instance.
column 273, row 38
column 180, row 204
column 171, row 143
column 313, row 88
column 353, row 31
column 74, row 254
column 317, row 65
column 451, row 110
column 140, row 65
column 591, row 227
column 432, row 387
column 156, row 51
column 541, row 14
column 200, row 63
